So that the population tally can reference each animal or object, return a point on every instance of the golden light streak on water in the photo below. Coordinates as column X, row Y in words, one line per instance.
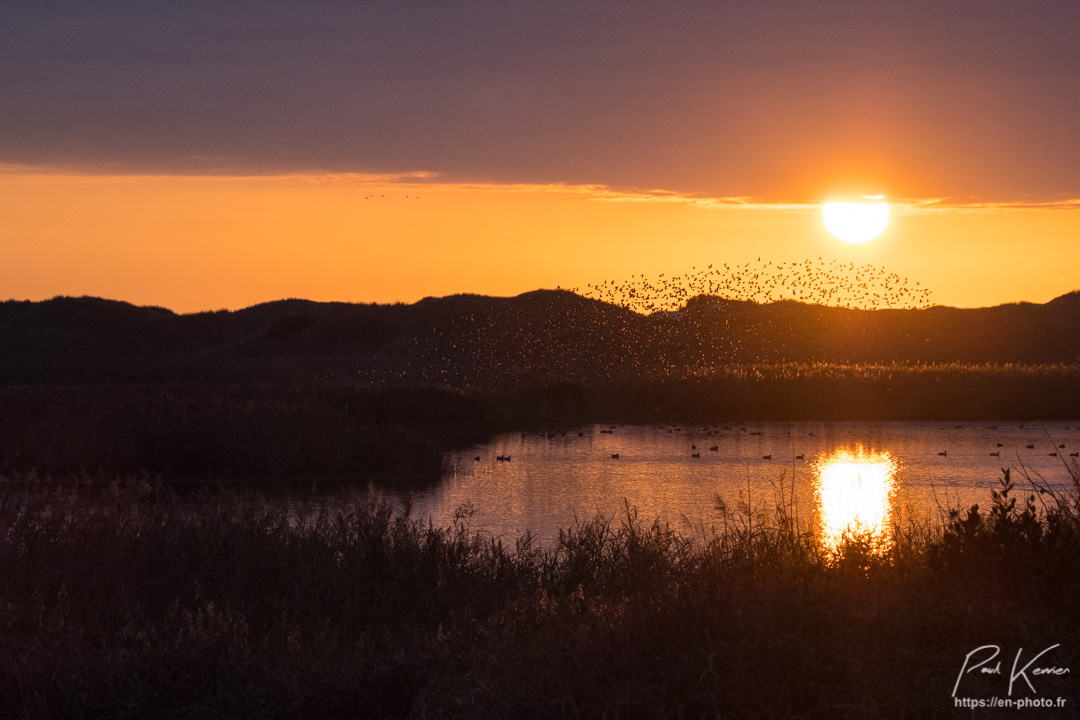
column 854, row 491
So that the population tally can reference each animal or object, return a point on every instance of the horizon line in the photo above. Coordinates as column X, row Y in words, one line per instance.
column 152, row 306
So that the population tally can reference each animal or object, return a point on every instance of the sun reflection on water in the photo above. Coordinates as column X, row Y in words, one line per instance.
column 854, row 492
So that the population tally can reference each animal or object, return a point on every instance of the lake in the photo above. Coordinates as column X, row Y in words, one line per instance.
column 836, row 474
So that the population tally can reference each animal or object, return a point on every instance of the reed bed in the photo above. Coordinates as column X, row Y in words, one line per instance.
column 228, row 431
column 123, row 599
column 357, row 429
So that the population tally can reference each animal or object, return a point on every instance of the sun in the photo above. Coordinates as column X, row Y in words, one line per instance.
column 856, row 222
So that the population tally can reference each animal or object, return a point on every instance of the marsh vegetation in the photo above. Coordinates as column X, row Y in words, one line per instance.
column 219, row 604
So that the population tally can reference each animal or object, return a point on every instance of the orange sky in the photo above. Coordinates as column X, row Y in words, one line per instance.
column 206, row 154
column 200, row 243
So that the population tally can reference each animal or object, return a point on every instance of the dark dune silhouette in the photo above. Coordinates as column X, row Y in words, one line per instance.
column 472, row 339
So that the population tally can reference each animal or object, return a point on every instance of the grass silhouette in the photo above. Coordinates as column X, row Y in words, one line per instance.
column 146, row 603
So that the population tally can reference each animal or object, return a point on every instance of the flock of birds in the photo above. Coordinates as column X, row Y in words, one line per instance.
column 817, row 282
column 610, row 430
column 696, row 453
column 1030, row 446
column 639, row 328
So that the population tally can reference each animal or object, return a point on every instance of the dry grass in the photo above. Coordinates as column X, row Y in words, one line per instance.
column 133, row 602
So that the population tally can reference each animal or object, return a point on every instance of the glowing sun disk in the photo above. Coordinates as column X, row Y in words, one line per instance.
column 856, row 222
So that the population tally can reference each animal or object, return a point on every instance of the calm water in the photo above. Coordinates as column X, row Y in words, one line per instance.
column 850, row 474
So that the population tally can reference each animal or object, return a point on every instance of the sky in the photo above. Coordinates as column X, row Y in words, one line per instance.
column 200, row 155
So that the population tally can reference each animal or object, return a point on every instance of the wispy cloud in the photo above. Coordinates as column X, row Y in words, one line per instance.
column 961, row 204
column 438, row 182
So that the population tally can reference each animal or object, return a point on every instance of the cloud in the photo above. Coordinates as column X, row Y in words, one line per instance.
column 772, row 99
column 953, row 204
column 435, row 182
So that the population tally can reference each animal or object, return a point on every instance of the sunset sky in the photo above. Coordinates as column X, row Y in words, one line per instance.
column 203, row 155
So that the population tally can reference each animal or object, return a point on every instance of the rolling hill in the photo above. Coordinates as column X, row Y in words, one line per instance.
column 469, row 339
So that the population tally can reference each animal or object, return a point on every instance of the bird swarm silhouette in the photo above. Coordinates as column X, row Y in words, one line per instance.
column 815, row 282
column 697, row 324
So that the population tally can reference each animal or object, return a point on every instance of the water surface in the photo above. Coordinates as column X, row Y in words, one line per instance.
column 835, row 475
column 865, row 472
